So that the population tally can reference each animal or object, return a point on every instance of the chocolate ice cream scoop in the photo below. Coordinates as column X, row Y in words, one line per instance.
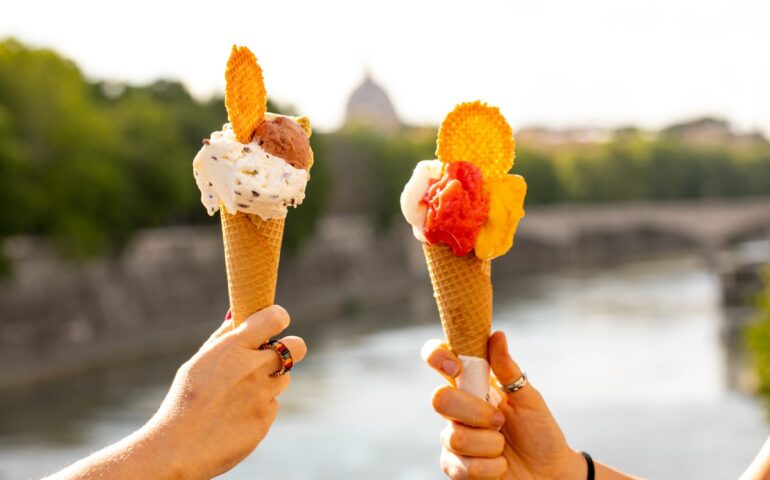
column 282, row 137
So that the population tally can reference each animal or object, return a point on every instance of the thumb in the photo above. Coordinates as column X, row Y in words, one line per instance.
column 507, row 372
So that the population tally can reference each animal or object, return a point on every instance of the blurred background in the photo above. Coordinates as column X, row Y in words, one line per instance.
column 633, row 296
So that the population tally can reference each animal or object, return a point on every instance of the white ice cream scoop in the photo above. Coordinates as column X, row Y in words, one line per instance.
column 245, row 178
column 412, row 205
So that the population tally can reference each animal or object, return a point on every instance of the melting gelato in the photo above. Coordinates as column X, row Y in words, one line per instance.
column 457, row 208
column 247, row 177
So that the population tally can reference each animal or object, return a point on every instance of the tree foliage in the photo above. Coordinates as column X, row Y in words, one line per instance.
column 631, row 166
column 758, row 338
column 85, row 164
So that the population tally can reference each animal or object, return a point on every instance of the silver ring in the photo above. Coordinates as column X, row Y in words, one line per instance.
column 517, row 385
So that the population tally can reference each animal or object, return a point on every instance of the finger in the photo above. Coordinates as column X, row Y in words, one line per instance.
column 296, row 346
column 438, row 355
column 469, row 468
column 261, row 326
column 472, row 442
column 270, row 361
column 504, row 368
column 466, row 408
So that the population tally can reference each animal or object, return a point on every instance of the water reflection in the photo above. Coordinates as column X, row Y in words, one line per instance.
column 629, row 359
column 56, row 412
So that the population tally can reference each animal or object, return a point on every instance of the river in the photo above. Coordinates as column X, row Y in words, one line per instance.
column 629, row 359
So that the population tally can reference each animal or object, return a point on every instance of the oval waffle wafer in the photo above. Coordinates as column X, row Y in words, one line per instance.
column 477, row 133
column 245, row 96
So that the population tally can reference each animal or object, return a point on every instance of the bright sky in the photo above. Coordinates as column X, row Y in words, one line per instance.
column 551, row 62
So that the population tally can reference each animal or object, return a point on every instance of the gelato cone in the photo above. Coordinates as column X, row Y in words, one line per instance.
column 252, row 253
column 464, row 207
column 252, row 172
column 463, row 291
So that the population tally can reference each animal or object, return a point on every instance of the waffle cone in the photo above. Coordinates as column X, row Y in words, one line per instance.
column 463, row 290
column 252, row 253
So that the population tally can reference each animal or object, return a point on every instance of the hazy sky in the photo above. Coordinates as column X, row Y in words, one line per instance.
column 558, row 63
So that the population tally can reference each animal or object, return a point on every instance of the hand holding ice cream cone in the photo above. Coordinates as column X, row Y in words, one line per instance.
column 465, row 208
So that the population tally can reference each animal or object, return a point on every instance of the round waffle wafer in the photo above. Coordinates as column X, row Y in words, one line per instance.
column 477, row 133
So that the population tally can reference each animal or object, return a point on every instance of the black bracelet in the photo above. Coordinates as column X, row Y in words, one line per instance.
column 590, row 462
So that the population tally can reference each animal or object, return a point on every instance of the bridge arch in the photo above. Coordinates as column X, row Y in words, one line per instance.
column 748, row 233
column 636, row 240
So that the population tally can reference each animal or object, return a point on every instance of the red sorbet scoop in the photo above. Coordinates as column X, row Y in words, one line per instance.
column 457, row 208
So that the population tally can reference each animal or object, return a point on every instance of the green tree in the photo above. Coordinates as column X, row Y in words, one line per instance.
column 87, row 164
column 758, row 338
column 538, row 169
column 61, row 186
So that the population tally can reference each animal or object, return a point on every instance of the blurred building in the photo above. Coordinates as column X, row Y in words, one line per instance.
column 548, row 137
column 369, row 106
column 369, row 110
column 704, row 131
column 710, row 131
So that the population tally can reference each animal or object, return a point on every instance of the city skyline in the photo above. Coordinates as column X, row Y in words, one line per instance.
column 553, row 64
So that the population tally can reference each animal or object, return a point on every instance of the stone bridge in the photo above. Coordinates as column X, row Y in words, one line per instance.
column 710, row 224
column 168, row 285
column 587, row 233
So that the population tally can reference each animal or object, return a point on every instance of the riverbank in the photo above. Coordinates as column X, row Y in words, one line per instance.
column 167, row 289
column 165, row 292
column 593, row 341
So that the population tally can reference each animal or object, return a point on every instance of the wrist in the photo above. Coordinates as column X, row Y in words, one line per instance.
column 575, row 466
column 160, row 454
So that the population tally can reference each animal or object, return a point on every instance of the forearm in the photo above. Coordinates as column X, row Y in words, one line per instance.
column 577, row 466
column 760, row 467
column 603, row 472
column 140, row 455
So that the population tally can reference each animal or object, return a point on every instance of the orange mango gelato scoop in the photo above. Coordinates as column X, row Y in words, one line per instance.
column 506, row 209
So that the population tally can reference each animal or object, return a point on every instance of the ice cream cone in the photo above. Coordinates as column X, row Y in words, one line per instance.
column 465, row 212
column 462, row 287
column 252, row 253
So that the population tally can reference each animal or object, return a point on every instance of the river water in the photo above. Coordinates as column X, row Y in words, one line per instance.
column 629, row 359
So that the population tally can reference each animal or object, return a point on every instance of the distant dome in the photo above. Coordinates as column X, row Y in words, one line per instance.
column 370, row 105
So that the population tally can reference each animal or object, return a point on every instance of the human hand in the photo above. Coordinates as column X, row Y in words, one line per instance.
column 529, row 445
column 220, row 406
column 223, row 400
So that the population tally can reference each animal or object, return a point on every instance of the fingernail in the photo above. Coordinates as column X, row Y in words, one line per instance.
column 450, row 367
column 498, row 419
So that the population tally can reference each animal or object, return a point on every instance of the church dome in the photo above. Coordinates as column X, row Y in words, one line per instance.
column 370, row 105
